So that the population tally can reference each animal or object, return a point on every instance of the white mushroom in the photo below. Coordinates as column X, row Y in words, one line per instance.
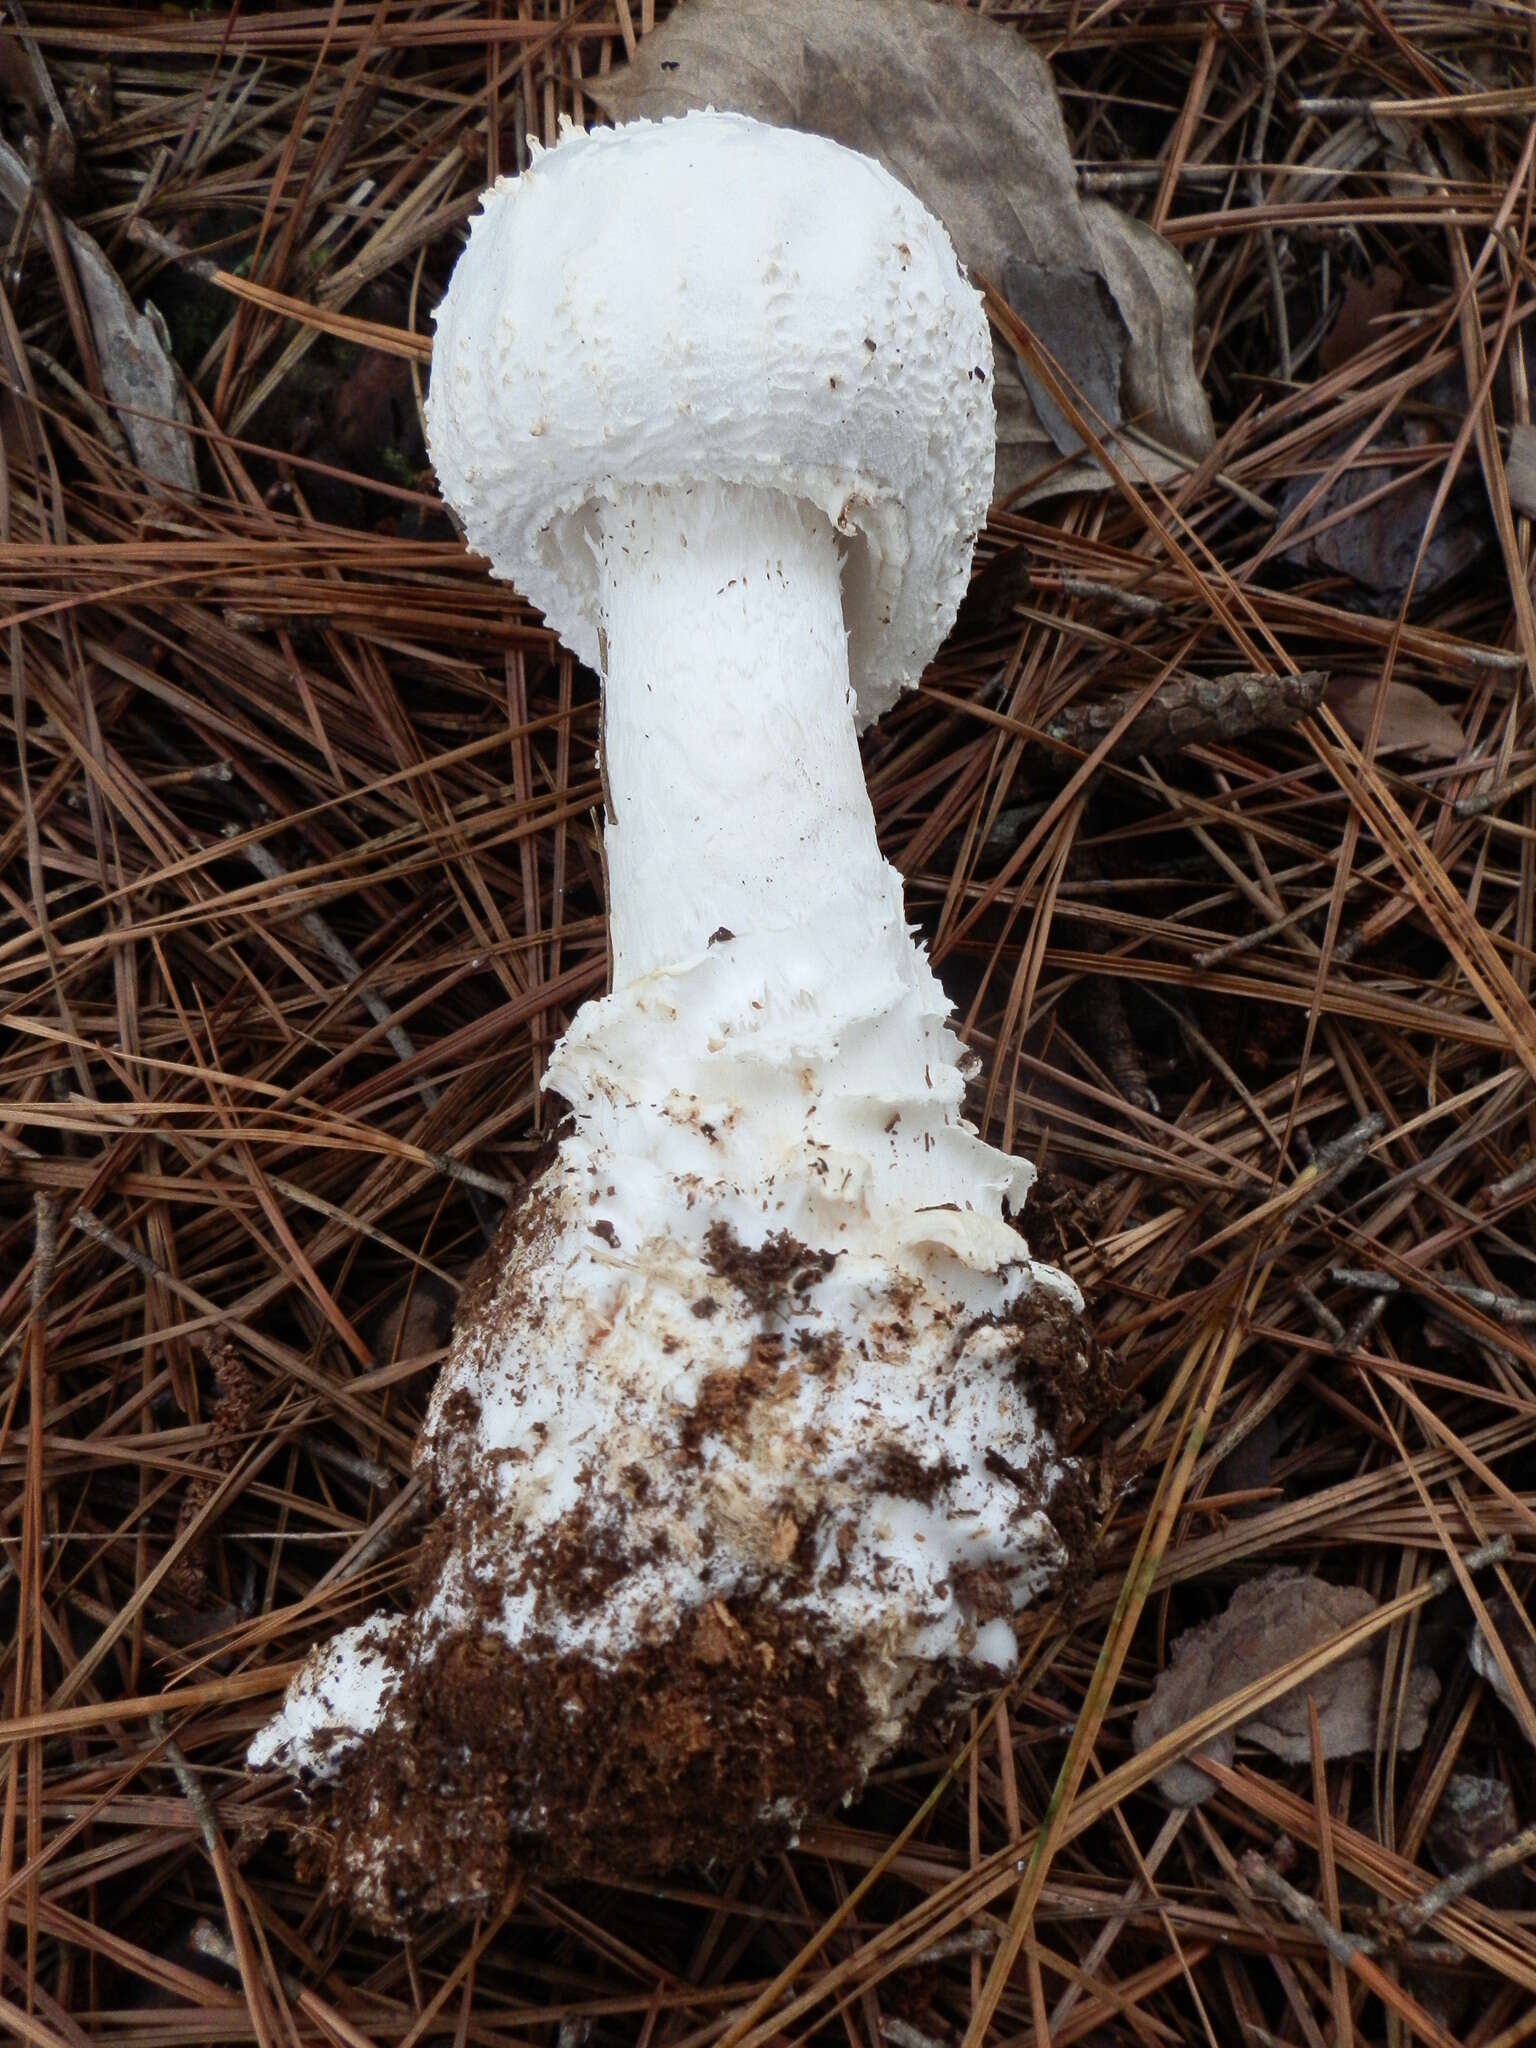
column 744, row 1451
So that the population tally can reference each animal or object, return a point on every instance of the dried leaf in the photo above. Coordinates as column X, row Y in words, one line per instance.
column 1515, row 1633
column 995, row 590
column 1475, row 1816
column 412, row 1324
column 1268, row 1623
column 1365, row 300
column 964, row 112
column 1074, row 314
column 137, row 369
column 1520, row 468
column 1413, row 723
column 1377, row 547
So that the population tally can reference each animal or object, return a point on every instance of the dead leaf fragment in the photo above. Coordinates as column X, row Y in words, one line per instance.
column 1365, row 300
column 964, row 112
column 1369, row 524
column 1514, row 1631
column 1520, row 468
column 1413, row 723
column 415, row 1323
column 1269, row 1623
column 995, row 589
column 1476, row 1815
column 1073, row 312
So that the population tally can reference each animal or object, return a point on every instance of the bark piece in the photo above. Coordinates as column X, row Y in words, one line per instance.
column 138, row 372
column 1192, row 711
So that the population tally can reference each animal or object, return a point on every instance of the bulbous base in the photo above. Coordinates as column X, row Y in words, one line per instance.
column 707, row 1746
column 715, row 1524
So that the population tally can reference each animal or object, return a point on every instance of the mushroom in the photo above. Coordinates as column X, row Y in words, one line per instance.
column 747, row 1446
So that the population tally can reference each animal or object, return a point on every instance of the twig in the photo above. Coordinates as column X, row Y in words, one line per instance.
column 147, row 237
column 1133, row 601
column 1136, row 178
column 111, row 433
column 1505, row 1308
column 1349, row 1148
column 1416, row 1913
column 45, row 1248
column 1364, row 1322
column 902, row 2034
column 1328, row 1322
column 1484, row 800
column 1268, row 1882
column 1260, row 14
column 1512, row 1184
column 1345, row 106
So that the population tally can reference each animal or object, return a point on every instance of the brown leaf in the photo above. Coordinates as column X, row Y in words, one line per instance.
column 1413, row 723
column 1073, row 312
column 1268, row 1623
column 964, row 113
column 1365, row 300
column 412, row 1324
column 995, row 589
column 1377, row 546
column 1514, row 1631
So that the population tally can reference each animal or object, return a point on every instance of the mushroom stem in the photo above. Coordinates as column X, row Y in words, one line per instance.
column 748, row 1449
column 736, row 797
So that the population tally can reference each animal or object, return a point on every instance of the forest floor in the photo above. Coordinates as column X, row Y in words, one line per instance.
column 300, row 880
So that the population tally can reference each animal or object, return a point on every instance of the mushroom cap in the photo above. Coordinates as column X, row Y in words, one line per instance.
column 713, row 298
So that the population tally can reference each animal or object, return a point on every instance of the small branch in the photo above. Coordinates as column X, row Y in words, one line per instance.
column 470, row 1176
column 140, row 231
column 368, row 1470
column 1343, row 108
column 45, row 1248
column 1349, row 1148
column 112, row 436
column 1137, row 178
column 191, row 1790
column 1484, row 800
column 1268, row 1882
column 1513, row 1183
column 1363, row 1324
column 1413, row 1914
column 1260, row 12
column 1328, row 1322
column 1132, row 601
column 902, row 2034
column 91, row 1226
column 1505, row 1308
column 970, row 1941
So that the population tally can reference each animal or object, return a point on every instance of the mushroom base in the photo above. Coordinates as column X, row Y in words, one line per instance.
column 705, row 1748
column 717, row 1523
